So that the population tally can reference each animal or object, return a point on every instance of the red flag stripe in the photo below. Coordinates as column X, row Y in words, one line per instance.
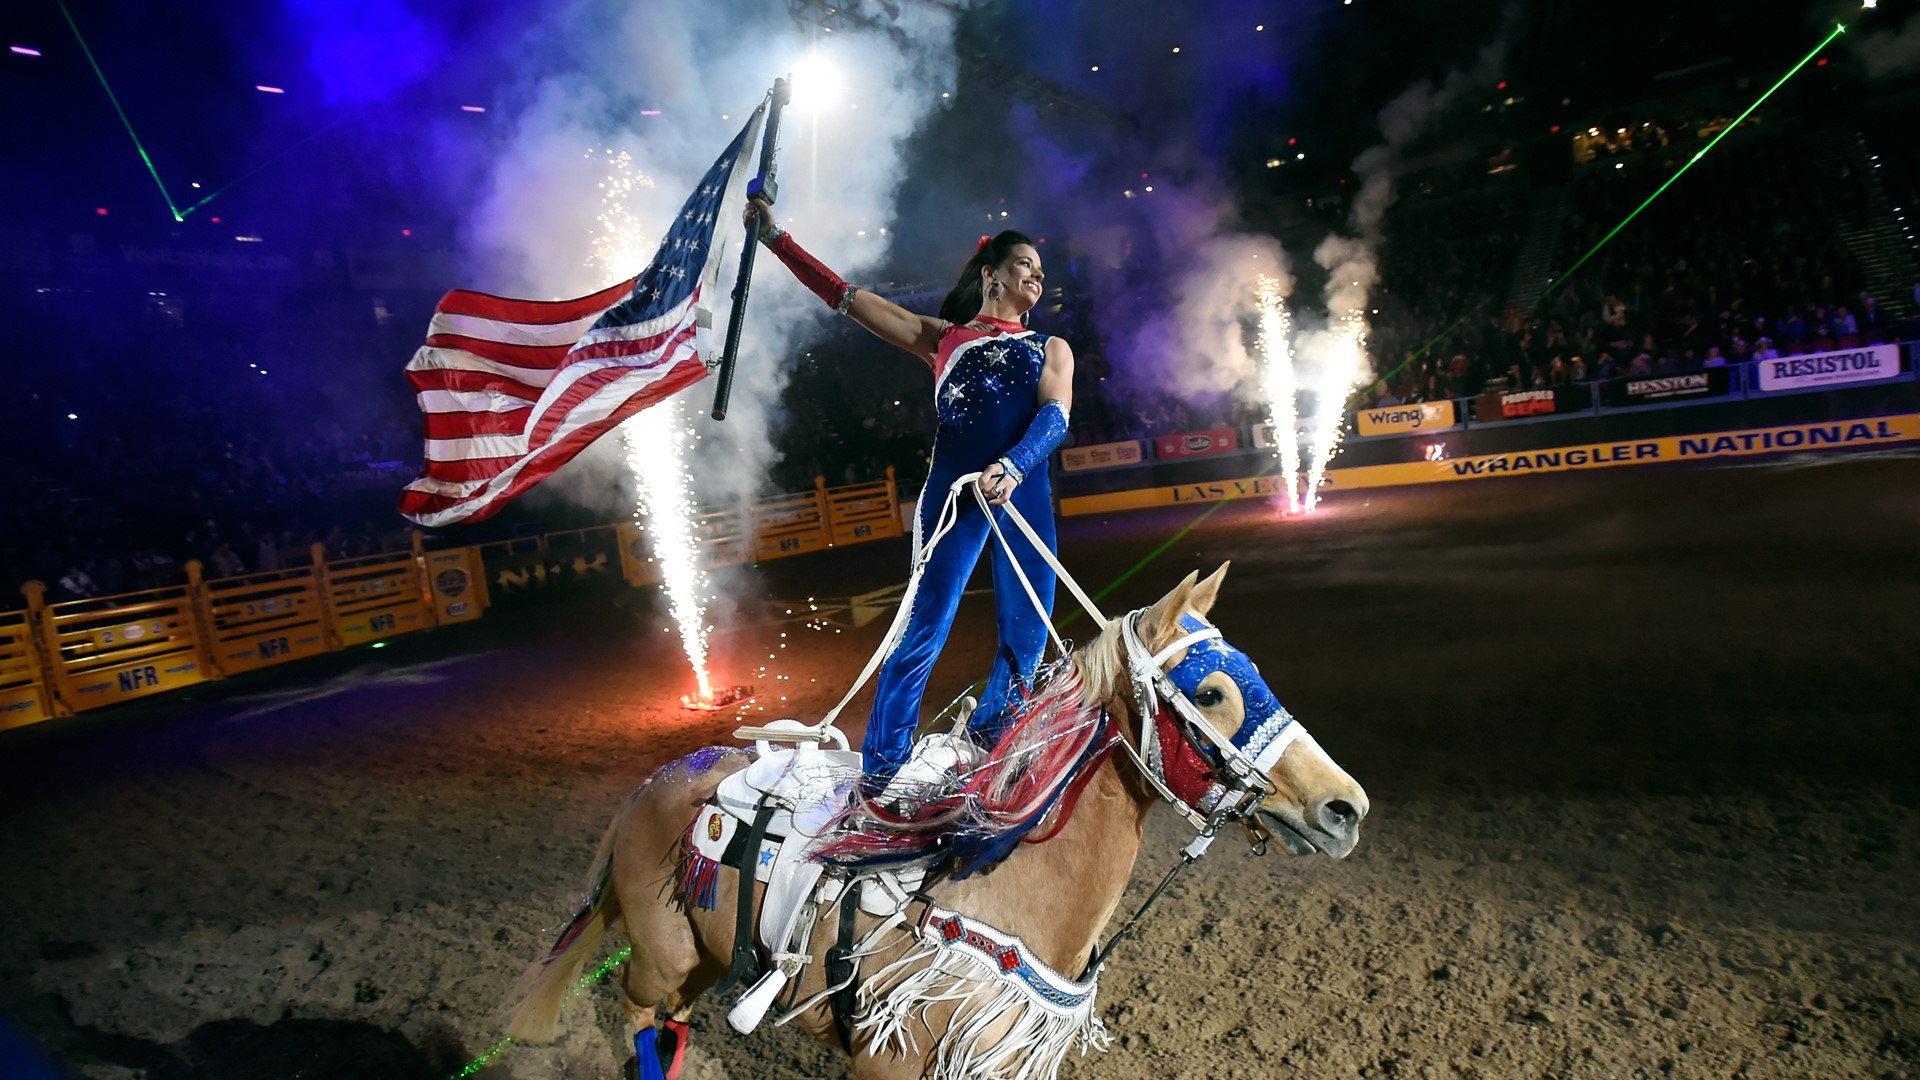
column 507, row 309
column 542, row 463
column 545, row 357
column 461, row 425
column 588, row 385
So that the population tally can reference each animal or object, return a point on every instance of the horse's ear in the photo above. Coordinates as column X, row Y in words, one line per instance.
column 1205, row 593
column 1162, row 624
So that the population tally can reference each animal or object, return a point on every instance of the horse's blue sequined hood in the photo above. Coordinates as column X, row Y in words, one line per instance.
column 1266, row 718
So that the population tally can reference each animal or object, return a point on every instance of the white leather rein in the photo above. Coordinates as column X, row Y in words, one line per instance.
column 1242, row 781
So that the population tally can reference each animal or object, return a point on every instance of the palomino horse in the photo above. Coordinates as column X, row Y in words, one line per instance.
column 1057, row 895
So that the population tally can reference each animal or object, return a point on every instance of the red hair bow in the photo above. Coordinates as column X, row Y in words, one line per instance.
column 984, row 241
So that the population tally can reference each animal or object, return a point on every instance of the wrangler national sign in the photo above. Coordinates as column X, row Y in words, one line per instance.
column 1833, row 435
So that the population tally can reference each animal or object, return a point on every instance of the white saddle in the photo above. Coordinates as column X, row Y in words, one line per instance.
column 808, row 787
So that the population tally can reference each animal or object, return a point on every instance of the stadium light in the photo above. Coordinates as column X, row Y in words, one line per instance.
column 23, row 50
column 269, row 89
column 816, row 82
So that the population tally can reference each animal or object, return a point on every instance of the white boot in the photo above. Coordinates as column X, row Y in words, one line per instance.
column 933, row 770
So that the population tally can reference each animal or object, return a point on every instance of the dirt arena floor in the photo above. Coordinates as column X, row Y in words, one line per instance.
column 1641, row 748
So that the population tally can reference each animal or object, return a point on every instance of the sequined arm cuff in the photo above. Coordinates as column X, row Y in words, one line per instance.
column 830, row 287
column 1043, row 436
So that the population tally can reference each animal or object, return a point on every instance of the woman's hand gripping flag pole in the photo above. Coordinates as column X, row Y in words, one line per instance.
column 762, row 188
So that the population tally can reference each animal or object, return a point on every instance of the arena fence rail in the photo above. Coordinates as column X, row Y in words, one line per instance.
column 72, row 656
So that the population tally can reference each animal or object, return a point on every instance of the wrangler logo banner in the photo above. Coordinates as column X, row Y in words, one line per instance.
column 1834, row 435
column 1424, row 417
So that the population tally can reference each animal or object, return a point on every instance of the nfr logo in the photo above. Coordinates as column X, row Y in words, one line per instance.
column 137, row 678
column 272, row 647
column 378, row 623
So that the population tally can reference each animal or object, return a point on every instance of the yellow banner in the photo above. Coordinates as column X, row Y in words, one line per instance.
column 135, row 680
column 255, row 651
column 373, row 625
column 22, row 705
column 1838, row 434
column 1399, row 419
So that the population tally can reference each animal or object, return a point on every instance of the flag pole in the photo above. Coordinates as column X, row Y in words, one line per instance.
column 763, row 188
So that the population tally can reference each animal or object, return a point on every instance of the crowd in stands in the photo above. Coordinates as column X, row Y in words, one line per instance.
column 149, row 441
column 1761, row 273
column 123, row 464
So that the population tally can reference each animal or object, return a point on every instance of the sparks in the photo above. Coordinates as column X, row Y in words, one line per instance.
column 1277, row 383
column 619, row 245
column 656, row 438
column 1344, row 365
column 663, row 500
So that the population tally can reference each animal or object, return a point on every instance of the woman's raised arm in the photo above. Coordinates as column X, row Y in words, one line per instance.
column 886, row 320
column 895, row 325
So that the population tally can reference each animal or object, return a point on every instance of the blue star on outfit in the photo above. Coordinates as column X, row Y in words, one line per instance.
column 986, row 390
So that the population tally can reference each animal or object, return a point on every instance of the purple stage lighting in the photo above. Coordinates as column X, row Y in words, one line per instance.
column 269, row 89
column 24, row 50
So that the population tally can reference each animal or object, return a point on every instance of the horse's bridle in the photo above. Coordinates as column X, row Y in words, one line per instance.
column 1238, row 782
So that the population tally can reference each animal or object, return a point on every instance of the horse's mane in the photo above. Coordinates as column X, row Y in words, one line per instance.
column 1057, row 729
column 1103, row 665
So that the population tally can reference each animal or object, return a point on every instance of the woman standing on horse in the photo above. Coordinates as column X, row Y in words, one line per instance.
column 1002, row 393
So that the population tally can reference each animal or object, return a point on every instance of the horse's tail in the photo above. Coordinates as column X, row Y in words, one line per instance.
column 542, row 990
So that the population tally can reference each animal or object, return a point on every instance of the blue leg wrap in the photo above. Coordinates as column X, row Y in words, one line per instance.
column 646, row 1053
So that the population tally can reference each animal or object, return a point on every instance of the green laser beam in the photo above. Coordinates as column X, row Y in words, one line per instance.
column 480, row 1062
column 270, row 159
column 1838, row 29
column 612, row 962
column 500, row 1047
column 137, row 145
column 1414, row 355
column 1128, row 573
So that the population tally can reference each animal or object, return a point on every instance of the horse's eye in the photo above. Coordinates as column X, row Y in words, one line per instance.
column 1208, row 698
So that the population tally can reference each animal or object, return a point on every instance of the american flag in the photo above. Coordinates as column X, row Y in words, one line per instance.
column 513, row 389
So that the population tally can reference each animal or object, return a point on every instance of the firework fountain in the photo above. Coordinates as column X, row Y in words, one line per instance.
column 1277, row 384
column 1341, row 367
column 1332, row 363
column 656, row 439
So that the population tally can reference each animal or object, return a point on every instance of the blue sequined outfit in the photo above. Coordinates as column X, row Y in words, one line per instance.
column 986, row 396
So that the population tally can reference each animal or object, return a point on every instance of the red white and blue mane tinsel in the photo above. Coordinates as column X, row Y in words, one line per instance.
column 1053, row 743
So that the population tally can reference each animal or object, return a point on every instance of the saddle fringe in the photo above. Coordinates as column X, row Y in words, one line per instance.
column 998, row 1031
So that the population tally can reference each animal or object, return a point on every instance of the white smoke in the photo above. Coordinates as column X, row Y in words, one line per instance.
column 1354, row 263
column 705, row 67
column 1887, row 53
